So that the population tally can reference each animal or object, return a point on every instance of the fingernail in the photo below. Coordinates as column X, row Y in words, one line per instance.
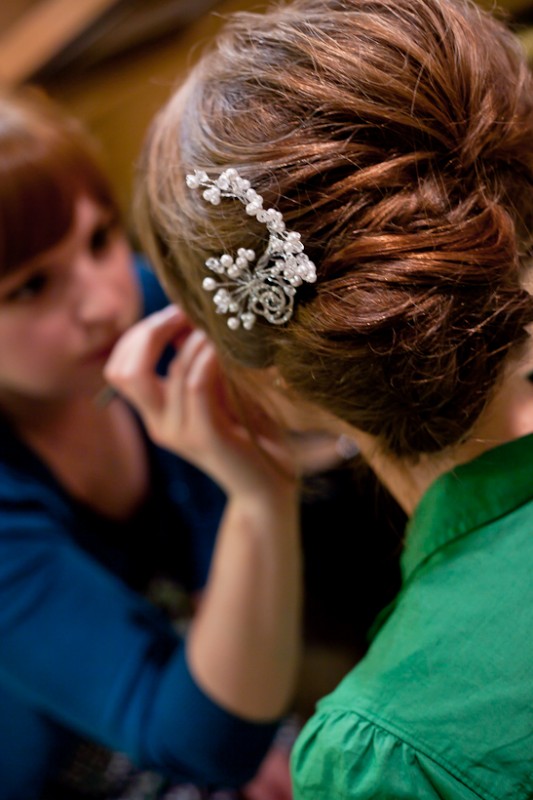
column 169, row 311
column 197, row 336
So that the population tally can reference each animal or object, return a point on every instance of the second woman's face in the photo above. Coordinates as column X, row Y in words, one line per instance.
column 62, row 312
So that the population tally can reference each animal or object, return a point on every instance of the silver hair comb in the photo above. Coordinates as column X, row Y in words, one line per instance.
column 244, row 290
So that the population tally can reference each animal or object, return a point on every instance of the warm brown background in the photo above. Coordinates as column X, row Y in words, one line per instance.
column 114, row 62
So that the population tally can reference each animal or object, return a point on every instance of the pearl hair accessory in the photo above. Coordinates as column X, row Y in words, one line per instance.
column 268, row 288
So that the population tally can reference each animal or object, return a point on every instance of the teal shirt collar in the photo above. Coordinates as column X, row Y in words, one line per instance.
column 468, row 497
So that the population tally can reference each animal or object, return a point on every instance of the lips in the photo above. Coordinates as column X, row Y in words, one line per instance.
column 101, row 353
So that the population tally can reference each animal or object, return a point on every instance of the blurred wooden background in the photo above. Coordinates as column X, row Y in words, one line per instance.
column 113, row 63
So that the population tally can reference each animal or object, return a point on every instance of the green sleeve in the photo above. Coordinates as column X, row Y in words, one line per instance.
column 346, row 756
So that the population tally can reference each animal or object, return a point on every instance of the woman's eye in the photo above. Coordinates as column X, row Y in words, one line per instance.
column 101, row 238
column 31, row 288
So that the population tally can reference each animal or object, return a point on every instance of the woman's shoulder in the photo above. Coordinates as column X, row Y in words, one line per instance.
column 34, row 508
column 24, row 479
column 421, row 715
column 31, row 508
column 347, row 754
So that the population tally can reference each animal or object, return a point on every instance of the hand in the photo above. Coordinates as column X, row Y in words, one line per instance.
column 189, row 410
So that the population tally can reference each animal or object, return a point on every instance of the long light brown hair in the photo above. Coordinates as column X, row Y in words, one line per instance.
column 396, row 137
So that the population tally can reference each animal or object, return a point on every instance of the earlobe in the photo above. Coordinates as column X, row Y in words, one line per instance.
column 277, row 381
column 270, row 376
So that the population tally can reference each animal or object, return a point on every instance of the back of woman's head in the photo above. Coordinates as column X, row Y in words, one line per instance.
column 395, row 137
column 47, row 162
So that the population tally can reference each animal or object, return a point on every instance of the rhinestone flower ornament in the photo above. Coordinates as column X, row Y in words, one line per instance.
column 246, row 287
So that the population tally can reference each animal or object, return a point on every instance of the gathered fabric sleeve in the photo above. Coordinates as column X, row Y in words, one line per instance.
column 82, row 648
column 348, row 756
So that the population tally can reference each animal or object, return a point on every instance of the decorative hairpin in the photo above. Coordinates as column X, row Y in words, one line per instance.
column 267, row 289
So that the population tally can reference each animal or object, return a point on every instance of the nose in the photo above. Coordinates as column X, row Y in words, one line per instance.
column 99, row 294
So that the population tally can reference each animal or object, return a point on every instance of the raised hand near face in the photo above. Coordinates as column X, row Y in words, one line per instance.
column 190, row 409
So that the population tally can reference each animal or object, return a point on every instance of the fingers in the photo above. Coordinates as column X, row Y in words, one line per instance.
column 141, row 346
column 186, row 372
column 176, row 408
column 188, row 410
column 131, row 366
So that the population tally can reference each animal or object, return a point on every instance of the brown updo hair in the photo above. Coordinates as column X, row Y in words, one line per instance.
column 396, row 137
column 47, row 161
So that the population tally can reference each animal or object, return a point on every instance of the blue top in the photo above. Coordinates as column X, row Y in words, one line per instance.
column 82, row 651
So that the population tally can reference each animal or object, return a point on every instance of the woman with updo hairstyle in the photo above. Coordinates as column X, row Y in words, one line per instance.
column 340, row 195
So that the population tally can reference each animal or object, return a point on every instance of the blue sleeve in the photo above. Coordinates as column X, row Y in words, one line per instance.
column 96, row 657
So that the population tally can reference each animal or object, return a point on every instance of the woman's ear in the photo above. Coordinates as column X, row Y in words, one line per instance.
column 276, row 379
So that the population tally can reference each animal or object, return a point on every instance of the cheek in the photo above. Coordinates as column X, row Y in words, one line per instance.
column 293, row 414
column 266, row 389
column 33, row 351
column 302, row 417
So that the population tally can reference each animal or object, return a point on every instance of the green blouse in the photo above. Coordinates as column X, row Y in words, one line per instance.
column 442, row 704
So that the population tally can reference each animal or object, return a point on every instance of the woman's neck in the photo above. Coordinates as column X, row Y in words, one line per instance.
column 508, row 415
column 406, row 480
column 87, row 447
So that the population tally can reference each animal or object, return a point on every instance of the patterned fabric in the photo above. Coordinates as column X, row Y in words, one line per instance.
column 95, row 773
column 98, row 774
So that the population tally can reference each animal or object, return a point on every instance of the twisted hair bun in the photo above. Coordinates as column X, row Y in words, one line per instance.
column 396, row 138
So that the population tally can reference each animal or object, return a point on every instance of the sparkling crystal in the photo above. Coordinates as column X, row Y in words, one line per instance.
column 267, row 287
